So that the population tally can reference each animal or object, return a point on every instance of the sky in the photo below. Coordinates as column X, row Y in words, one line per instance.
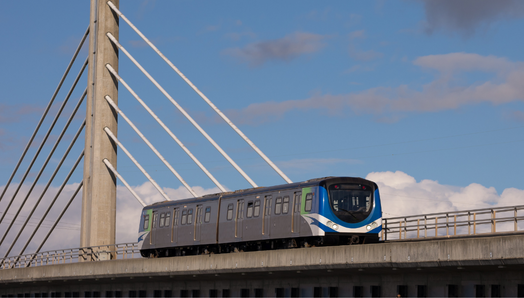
column 423, row 97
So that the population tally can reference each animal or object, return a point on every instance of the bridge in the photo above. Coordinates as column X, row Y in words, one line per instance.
column 460, row 253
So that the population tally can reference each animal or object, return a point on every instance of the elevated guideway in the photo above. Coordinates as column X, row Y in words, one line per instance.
column 477, row 260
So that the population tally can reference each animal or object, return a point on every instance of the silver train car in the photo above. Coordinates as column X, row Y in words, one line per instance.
column 323, row 211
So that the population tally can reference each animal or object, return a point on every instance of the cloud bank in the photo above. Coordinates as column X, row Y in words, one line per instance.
column 67, row 232
column 445, row 92
column 401, row 195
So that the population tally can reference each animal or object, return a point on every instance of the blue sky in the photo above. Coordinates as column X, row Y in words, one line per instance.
column 430, row 90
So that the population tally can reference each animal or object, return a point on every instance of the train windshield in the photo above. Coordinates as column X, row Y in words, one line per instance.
column 351, row 202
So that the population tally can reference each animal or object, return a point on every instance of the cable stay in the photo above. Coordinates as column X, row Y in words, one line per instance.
column 112, row 169
column 113, row 137
column 49, row 184
column 45, row 112
column 112, row 103
column 224, row 117
column 54, row 225
column 45, row 139
column 57, row 142
column 188, row 117
column 52, row 203
column 112, row 70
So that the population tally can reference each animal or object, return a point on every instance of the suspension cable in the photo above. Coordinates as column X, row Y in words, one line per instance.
column 113, row 137
column 110, row 167
column 200, row 165
column 45, row 112
column 224, row 117
column 112, row 103
column 188, row 117
column 56, row 222
column 45, row 138
column 46, row 162
column 47, row 186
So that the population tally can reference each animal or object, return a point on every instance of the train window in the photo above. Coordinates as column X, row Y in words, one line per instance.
column 297, row 202
column 230, row 212
column 162, row 220
column 146, row 222
column 285, row 206
column 207, row 216
column 184, row 217
column 168, row 219
column 309, row 202
column 190, row 216
column 350, row 202
column 240, row 209
column 155, row 219
column 278, row 205
column 249, row 210
column 268, row 205
column 256, row 212
column 175, row 217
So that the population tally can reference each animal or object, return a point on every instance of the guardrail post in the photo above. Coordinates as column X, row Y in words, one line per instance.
column 425, row 226
column 436, row 226
column 515, row 216
column 405, row 227
column 447, row 224
column 475, row 223
column 493, row 221
column 469, row 223
column 418, row 227
column 455, row 227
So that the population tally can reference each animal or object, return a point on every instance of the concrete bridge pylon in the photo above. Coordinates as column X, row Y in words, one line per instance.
column 99, row 193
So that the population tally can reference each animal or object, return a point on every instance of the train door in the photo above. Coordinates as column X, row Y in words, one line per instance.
column 239, row 219
column 198, row 223
column 266, row 217
column 174, row 225
column 153, row 228
column 295, row 216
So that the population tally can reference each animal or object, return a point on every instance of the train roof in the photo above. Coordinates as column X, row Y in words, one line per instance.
column 247, row 191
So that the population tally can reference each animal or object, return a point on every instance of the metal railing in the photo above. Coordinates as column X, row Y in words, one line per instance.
column 444, row 224
column 457, row 223
column 73, row 255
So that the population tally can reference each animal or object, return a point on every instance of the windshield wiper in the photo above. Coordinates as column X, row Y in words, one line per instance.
column 348, row 212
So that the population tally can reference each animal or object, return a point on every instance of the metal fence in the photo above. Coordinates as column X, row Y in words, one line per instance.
column 445, row 224
column 73, row 255
column 457, row 223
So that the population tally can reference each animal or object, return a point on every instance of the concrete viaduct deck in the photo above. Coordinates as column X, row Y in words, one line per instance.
column 436, row 264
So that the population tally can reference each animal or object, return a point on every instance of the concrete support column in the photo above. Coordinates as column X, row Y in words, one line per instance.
column 99, row 191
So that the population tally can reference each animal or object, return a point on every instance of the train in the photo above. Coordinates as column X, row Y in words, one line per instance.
column 316, row 212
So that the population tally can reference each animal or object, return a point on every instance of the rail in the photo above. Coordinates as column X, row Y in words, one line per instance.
column 457, row 223
column 72, row 255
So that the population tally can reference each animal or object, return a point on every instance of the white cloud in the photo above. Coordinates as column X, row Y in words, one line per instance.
column 402, row 195
column 445, row 92
column 67, row 233
column 467, row 62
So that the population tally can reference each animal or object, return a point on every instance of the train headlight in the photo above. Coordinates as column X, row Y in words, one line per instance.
column 332, row 225
column 368, row 227
column 374, row 224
